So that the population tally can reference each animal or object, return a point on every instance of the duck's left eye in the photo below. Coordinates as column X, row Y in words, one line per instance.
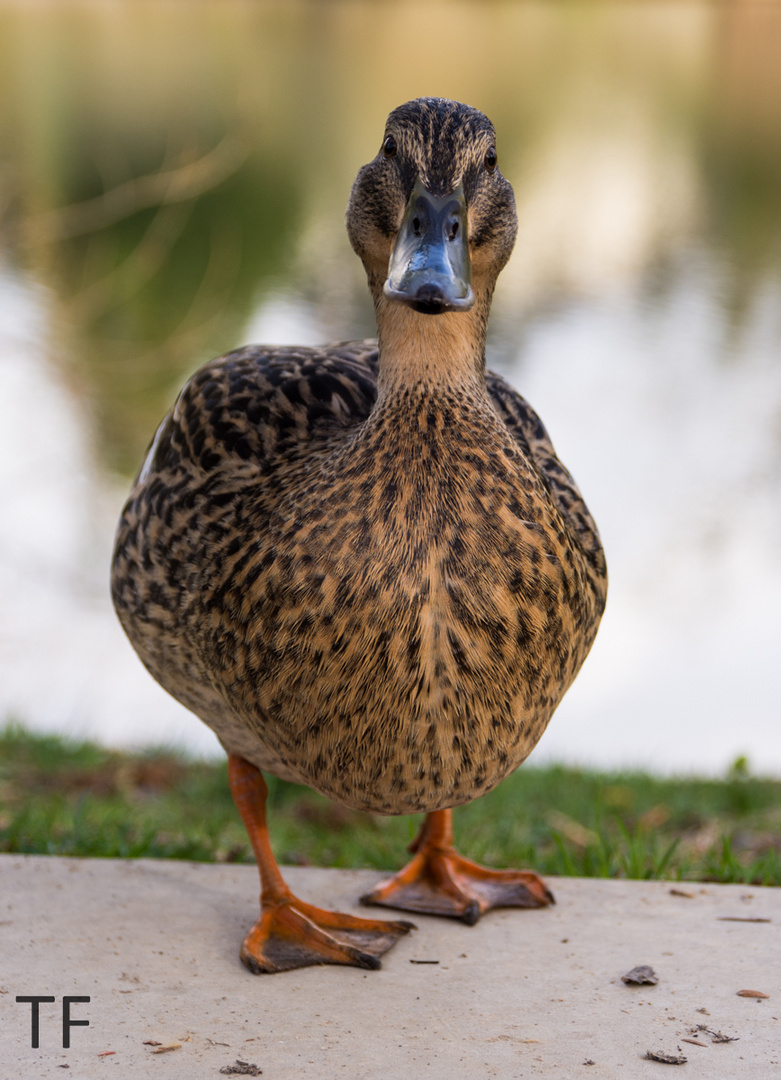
column 490, row 159
column 389, row 146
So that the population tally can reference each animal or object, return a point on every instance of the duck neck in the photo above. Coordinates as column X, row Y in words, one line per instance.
column 434, row 351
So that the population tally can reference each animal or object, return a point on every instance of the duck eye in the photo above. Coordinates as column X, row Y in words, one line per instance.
column 490, row 159
column 389, row 146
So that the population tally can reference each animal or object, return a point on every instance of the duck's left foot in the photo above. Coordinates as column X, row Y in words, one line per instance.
column 439, row 881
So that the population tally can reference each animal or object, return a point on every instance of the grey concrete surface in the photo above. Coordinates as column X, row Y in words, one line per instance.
column 154, row 945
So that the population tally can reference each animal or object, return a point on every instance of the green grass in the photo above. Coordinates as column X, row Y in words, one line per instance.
column 61, row 797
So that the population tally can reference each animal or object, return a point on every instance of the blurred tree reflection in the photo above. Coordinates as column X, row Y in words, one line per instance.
column 164, row 287
column 740, row 141
column 161, row 270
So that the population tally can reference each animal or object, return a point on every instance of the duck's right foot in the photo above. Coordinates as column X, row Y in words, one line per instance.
column 293, row 934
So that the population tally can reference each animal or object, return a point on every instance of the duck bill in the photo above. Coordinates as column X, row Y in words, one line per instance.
column 430, row 268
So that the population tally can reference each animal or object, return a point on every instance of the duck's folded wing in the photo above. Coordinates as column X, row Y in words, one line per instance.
column 260, row 404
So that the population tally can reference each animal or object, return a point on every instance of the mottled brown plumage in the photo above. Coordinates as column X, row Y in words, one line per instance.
column 366, row 569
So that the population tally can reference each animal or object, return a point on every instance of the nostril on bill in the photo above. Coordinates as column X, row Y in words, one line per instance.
column 429, row 300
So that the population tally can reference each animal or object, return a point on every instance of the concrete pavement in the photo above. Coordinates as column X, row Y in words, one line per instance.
column 154, row 945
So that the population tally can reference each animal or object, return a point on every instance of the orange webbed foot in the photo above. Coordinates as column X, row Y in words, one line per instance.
column 439, row 881
column 293, row 934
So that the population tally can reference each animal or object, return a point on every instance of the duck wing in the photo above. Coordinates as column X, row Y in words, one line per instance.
column 263, row 404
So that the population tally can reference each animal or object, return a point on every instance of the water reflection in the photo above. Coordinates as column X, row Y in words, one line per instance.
column 173, row 184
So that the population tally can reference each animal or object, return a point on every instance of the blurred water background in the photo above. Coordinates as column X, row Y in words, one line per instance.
column 173, row 178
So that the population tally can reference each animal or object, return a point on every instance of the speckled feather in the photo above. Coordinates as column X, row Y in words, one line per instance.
column 383, row 595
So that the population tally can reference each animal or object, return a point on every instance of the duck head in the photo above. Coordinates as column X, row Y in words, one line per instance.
column 431, row 217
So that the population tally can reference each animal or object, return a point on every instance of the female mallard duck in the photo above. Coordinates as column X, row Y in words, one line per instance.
column 365, row 568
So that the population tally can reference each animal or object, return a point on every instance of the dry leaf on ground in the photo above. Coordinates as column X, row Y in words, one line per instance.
column 666, row 1059
column 241, row 1068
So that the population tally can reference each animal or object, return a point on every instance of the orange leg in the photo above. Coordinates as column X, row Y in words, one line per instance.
column 290, row 933
column 439, row 881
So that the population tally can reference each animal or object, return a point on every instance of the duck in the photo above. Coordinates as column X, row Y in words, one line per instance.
column 363, row 565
